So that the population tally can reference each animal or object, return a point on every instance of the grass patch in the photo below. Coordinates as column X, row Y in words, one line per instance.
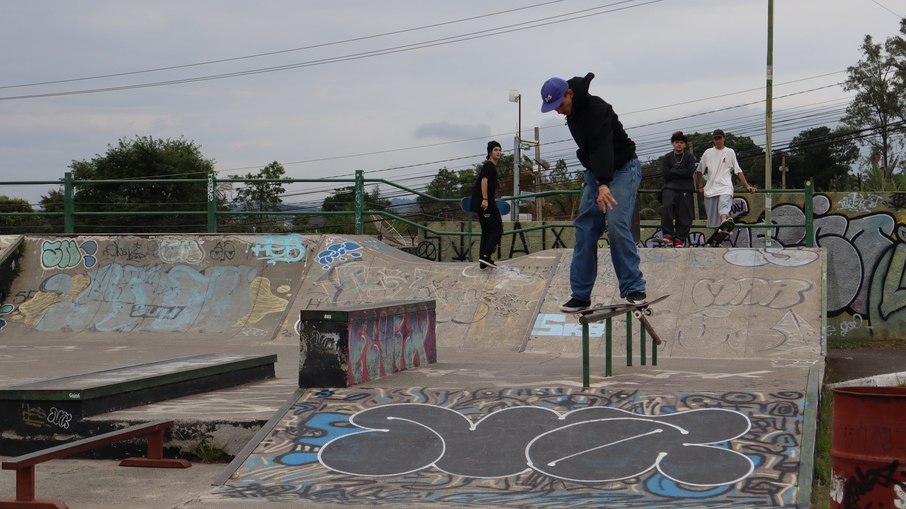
column 822, row 483
column 206, row 452
column 866, row 344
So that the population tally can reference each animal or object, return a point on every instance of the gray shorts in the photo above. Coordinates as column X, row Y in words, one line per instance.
column 715, row 206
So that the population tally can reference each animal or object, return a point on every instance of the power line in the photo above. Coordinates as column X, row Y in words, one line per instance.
column 283, row 51
column 506, row 29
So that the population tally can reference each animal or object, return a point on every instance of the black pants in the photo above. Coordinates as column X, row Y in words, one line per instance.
column 491, row 231
column 677, row 216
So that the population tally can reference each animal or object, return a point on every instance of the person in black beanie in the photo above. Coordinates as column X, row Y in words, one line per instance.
column 678, row 170
column 484, row 203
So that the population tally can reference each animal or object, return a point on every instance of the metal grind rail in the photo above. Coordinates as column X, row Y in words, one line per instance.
column 25, row 465
column 606, row 315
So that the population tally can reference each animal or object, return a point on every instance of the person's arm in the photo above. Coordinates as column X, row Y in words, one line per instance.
column 690, row 165
column 484, row 193
column 699, row 176
column 742, row 178
column 665, row 167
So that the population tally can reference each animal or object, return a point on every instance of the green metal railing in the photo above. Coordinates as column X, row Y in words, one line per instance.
column 358, row 213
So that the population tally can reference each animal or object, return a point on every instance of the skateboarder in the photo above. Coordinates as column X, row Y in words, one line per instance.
column 612, row 176
column 484, row 203
column 714, row 175
column 678, row 169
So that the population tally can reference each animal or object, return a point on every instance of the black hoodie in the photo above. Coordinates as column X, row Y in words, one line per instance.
column 603, row 144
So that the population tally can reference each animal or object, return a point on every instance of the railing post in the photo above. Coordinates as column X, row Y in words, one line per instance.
column 469, row 231
column 629, row 338
column 608, row 347
column 642, row 345
column 68, row 204
column 809, row 214
column 25, row 484
column 586, row 378
column 212, row 202
column 359, row 201
column 155, row 445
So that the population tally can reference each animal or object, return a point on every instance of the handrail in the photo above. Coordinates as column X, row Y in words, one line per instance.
column 24, row 465
column 209, row 208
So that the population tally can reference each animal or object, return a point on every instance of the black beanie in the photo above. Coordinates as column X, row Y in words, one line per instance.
column 491, row 145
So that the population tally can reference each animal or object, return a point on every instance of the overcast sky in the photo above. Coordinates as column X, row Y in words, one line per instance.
column 401, row 88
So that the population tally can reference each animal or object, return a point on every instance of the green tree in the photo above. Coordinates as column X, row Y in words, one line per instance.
column 822, row 156
column 143, row 157
column 879, row 107
column 53, row 202
column 563, row 206
column 261, row 196
column 20, row 224
column 343, row 200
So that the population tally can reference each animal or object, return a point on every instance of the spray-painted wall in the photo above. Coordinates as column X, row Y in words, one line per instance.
column 864, row 234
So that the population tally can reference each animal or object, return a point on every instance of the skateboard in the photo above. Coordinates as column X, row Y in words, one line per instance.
column 721, row 234
column 658, row 241
column 640, row 311
column 502, row 206
column 637, row 309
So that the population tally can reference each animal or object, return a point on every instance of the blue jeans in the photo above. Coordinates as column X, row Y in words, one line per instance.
column 590, row 225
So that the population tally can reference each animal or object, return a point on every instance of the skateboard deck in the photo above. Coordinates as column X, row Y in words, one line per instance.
column 626, row 306
column 502, row 206
column 641, row 311
column 721, row 234
column 663, row 243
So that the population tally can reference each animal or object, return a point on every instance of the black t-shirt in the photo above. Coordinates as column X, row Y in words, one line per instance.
column 489, row 171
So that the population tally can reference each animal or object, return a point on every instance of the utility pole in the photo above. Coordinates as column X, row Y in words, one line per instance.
column 768, row 122
column 539, row 201
column 516, row 97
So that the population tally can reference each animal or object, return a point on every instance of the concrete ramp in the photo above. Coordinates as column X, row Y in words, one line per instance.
column 475, row 308
column 204, row 285
column 723, row 303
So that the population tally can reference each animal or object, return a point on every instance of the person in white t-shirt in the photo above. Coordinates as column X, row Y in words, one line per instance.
column 714, row 176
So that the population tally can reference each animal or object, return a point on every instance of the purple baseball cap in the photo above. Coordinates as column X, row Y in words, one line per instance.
column 552, row 93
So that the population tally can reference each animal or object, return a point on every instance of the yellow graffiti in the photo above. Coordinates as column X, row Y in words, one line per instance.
column 35, row 307
column 263, row 302
column 33, row 416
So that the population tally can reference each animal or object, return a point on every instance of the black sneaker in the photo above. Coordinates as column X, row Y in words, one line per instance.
column 574, row 305
column 485, row 262
column 637, row 298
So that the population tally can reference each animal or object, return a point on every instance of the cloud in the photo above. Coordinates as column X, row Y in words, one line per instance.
column 451, row 131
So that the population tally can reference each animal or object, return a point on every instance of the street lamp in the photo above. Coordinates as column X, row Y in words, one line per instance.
column 516, row 97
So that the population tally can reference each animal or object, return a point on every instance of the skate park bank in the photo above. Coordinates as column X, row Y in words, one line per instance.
column 724, row 419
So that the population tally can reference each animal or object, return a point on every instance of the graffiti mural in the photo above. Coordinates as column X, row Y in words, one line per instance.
column 127, row 298
column 68, row 253
column 538, row 447
column 339, row 252
column 279, row 248
column 388, row 340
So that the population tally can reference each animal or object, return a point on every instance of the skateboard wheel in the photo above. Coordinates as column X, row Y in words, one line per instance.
column 637, row 314
column 648, row 312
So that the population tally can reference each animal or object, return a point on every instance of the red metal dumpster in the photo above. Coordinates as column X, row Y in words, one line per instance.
column 868, row 448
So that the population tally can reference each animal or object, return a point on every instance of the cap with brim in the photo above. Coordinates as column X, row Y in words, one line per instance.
column 716, row 133
column 552, row 93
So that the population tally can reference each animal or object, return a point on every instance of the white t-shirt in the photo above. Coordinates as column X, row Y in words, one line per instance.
column 718, row 167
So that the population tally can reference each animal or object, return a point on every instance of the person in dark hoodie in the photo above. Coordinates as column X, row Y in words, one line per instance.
column 678, row 169
column 484, row 203
column 612, row 176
